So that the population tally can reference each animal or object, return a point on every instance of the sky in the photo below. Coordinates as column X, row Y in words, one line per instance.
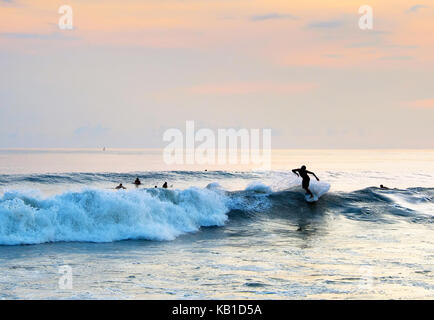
column 131, row 69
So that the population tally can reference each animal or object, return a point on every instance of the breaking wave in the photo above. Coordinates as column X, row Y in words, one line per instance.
column 95, row 215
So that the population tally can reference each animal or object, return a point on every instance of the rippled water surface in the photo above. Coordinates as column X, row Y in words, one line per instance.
column 229, row 232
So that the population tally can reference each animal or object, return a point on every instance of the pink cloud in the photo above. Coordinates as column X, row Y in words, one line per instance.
column 421, row 104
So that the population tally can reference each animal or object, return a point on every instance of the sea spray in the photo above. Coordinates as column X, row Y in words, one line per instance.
column 102, row 216
column 95, row 215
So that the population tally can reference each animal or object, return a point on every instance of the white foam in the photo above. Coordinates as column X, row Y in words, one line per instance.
column 104, row 216
column 319, row 188
column 258, row 187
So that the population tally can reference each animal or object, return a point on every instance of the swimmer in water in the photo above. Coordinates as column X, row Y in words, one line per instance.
column 120, row 186
column 137, row 182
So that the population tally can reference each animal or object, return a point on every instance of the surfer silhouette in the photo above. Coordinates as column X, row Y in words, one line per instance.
column 165, row 185
column 303, row 173
column 120, row 186
column 137, row 182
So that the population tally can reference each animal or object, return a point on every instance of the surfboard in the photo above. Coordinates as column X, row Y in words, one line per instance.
column 318, row 188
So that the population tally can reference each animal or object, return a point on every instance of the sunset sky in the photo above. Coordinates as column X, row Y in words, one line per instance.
column 131, row 69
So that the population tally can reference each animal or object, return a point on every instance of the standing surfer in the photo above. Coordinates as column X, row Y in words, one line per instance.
column 303, row 173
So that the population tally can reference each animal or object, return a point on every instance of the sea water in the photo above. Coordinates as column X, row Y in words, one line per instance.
column 230, row 232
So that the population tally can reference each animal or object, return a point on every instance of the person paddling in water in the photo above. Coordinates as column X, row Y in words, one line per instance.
column 120, row 186
column 303, row 173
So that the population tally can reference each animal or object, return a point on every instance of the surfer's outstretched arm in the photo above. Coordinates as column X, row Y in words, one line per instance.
column 312, row 174
column 295, row 172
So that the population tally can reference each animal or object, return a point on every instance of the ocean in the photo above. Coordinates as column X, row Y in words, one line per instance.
column 217, row 232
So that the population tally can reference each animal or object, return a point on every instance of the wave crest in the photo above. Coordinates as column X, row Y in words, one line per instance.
column 104, row 216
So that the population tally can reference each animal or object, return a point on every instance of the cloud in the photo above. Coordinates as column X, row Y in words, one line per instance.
column 332, row 55
column 380, row 43
column 326, row 24
column 39, row 36
column 8, row 3
column 416, row 8
column 251, row 87
column 421, row 104
column 272, row 16
column 366, row 44
column 396, row 58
